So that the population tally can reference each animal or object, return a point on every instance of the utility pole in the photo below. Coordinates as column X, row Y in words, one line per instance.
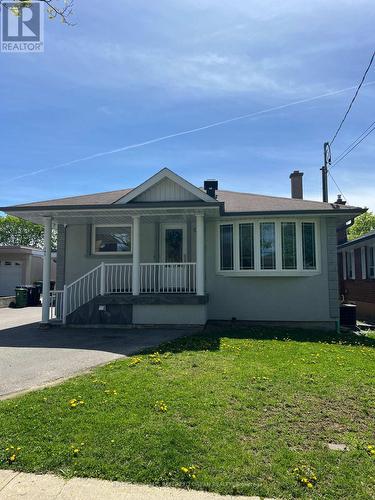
column 324, row 169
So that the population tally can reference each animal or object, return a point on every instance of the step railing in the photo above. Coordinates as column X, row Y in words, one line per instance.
column 162, row 277
column 56, row 299
column 155, row 277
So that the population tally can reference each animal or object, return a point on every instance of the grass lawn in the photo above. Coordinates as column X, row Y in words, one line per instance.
column 245, row 407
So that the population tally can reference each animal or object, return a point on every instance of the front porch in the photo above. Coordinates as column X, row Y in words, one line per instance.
column 160, row 283
column 177, row 239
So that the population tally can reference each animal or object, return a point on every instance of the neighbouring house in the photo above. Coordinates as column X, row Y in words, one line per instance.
column 357, row 274
column 20, row 265
column 168, row 252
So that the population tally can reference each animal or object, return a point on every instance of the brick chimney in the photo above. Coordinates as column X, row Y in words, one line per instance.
column 296, row 184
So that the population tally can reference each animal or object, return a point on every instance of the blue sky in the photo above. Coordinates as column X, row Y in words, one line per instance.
column 129, row 72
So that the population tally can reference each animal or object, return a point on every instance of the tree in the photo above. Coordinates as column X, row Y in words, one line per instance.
column 363, row 224
column 61, row 9
column 15, row 232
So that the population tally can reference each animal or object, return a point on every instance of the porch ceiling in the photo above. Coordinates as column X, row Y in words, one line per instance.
column 116, row 216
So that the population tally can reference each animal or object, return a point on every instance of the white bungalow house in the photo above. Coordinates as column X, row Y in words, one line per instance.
column 168, row 252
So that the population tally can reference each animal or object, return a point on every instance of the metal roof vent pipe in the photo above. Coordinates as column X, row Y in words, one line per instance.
column 296, row 184
column 339, row 200
column 210, row 186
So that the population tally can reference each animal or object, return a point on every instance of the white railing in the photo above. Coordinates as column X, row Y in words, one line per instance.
column 162, row 277
column 56, row 298
column 118, row 278
column 82, row 290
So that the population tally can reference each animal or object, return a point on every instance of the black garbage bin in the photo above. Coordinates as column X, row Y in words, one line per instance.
column 21, row 296
column 33, row 294
column 39, row 284
column 348, row 315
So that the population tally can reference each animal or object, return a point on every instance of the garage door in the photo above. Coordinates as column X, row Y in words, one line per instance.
column 10, row 276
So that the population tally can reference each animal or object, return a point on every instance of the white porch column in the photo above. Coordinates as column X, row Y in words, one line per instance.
column 46, row 268
column 200, row 254
column 136, row 255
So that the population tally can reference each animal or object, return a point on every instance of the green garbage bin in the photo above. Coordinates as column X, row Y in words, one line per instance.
column 21, row 296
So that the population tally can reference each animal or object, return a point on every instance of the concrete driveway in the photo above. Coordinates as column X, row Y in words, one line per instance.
column 31, row 358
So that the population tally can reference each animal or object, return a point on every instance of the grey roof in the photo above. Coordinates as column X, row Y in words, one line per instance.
column 106, row 198
column 368, row 236
column 234, row 202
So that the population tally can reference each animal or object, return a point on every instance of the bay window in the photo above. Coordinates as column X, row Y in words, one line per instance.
column 226, row 247
column 246, row 236
column 308, row 245
column 289, row 245
column 267, row 245
column 262, row 247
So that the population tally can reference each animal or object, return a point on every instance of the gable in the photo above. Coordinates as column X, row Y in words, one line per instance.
column 165, row 190
column 165, row 186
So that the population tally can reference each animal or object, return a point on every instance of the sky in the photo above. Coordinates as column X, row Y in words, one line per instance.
column 131, row 72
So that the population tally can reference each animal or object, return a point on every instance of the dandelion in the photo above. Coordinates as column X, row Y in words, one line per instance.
column 74, row 403
column 135, row 361
column 111, row 391
column 305, row 475
column 161, row 406
column 11, row 453
column 155, row 358
column 371, row 450
column 190, row 472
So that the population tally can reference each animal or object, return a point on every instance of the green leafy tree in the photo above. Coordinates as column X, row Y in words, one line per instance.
column 61, row 9
column 15, row 231
column 362, row 225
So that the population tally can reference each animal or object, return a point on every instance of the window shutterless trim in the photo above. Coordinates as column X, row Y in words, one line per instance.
column 93, row 239
column 257, row 271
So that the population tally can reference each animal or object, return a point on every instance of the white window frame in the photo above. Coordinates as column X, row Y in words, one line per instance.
column 363, row 263
column 348, row 254
column 371, row 275
column 279, row 271
column 93, row 239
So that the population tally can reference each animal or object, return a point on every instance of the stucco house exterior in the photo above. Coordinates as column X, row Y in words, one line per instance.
column 357, row 274
column 169, row 252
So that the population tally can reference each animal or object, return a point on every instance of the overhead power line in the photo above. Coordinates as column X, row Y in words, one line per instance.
column 354, row 144
column 338, row 187
column 353, row 99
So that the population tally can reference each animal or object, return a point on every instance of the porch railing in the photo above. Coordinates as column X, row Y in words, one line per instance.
column 118, row 278
column 56, row 305
column 155, row 277
column 167, row 277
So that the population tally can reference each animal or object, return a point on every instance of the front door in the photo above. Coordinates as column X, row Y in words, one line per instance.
column 173, row 254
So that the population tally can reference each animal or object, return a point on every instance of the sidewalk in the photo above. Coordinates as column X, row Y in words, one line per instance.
column 16, row 485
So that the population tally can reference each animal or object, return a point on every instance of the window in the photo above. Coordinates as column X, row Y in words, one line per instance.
column 226, row 247
column 371, row 262
column 288, row 242
column 308, row 245
column 267, row 245
column 349, row 263
column 277, row 247
column 112, row 239
column 246, row 246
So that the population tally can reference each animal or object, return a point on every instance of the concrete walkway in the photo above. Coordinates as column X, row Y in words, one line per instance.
column 16, row 485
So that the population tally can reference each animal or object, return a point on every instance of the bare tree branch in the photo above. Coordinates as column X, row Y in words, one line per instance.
column 54, row 10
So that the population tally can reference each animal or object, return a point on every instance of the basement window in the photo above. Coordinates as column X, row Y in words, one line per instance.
column 112, row 239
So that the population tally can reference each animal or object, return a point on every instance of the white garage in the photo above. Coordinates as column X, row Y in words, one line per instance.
column 10, row 276
column 21, row 266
